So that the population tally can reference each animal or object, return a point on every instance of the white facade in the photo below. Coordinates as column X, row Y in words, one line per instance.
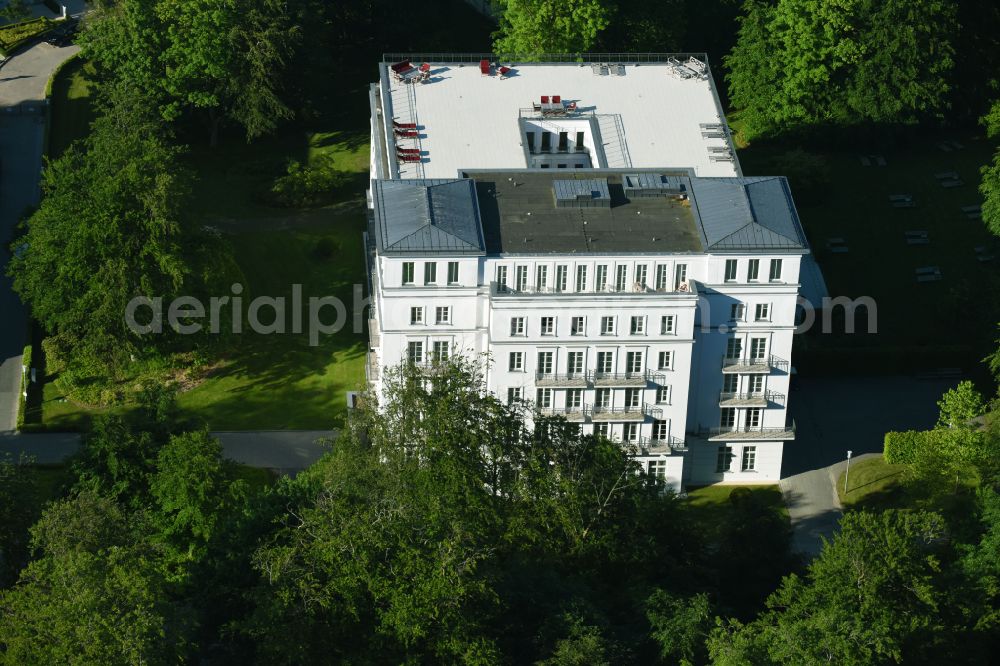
column 683, row 349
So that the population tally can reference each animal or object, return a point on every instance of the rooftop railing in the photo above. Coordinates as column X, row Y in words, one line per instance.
column 548, row 58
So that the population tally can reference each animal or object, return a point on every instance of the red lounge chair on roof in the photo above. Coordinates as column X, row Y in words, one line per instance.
column 426, row 67
column 401, row 68
column 556, row 99
column 504, row 71
column 404, row 125
column 484, row 67
column 410, row 134
column 411, row 158
column 408, row 151
column 545, row 99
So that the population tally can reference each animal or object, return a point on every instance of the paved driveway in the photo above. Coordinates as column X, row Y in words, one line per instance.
column 22, row 133
column 834, row 416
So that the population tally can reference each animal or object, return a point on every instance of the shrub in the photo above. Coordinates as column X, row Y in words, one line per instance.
column 17, row 34
column 317, row 184
column 903, row 448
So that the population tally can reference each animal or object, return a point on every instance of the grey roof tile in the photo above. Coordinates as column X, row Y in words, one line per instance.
column 427, row 215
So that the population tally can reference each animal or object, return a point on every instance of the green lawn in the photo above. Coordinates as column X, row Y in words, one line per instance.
column 914, row 319
column 712, row 508
column 873, row 482
column 71, row 106
column 266, row 382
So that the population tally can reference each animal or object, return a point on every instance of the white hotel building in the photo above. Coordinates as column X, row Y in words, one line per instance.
column 603, row 247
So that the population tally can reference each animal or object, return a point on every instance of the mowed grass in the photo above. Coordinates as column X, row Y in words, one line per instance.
column 872, row 482
column 71, row 106
column 953, row 313
column 713, row 510
column 281, row 381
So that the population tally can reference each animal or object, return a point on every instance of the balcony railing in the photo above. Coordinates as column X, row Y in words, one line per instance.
column 564, row 379
column 739, row 433
column 762, row 365
column 668, row 444
column 635, row 289
column 637, row 413
column 753, row 399
column 640, row 378
column 575, row 414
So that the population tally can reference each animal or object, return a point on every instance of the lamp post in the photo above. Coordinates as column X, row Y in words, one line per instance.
column 847, row 474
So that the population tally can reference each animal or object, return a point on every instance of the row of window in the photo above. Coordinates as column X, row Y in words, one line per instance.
column 761, row 312
column 430, row 272
column 758, row 348
column 578, row 325
column 603, row 397
column 442, row 315
column 576, row 361
column 724, row 459
column 605, row 277
column 753, row 270
column 727, row 418
column 440, row 351
column 630, row 432
column 754, row 383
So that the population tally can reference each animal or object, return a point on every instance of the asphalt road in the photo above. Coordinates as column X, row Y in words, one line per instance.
column 22, row 133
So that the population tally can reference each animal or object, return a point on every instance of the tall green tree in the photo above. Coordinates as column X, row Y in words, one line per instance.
column 990, row 185
column 18, row 509
column 220, row 60
column 113, row 226
column 877, row 593
column 532, row 28
column 808, row 62
column 94, row 594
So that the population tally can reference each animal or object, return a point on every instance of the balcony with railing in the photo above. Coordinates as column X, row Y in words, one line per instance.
column 753, row 399
column 749, row 366
column 685, row 289
column 570, row 379
column 577, row 414
column 631, row 413
column 661, row 445
column 625, row 379
column 743, row 433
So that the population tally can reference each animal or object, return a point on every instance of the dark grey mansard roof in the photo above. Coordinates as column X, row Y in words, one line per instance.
column 755, row 213
column 463, row 216
column 422, row 216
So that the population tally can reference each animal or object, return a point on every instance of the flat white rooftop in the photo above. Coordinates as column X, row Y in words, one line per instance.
column 647, row 116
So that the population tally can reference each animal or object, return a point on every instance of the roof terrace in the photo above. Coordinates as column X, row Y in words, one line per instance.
column 440, row 113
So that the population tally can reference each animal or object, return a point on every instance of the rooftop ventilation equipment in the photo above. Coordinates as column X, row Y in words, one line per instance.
column 640, row 185
column 589, row 193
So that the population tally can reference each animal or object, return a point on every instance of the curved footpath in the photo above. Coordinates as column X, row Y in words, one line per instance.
column 23, row 78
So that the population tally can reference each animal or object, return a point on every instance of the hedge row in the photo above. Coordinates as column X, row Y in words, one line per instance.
column 22, row 403
column 17, row 34
column 901, row 447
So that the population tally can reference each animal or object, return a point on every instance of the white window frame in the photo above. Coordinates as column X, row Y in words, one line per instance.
column 637, row 325
column 578, row 326
column 517, row 326
column 440, row 350
column 415, row 351
column 573, row 367
column 737, row 312
column 514, row 393
column 408, row 268
column 634, row 361
column 668, row 325
column 453, row 272
column 541, row 277
column 748, row 462
column 521, row 278
column 543, row 398
column 581, row 278
column 731, row 268
column 621, row 277
column 430, row 272
column 547, row 325
column 515, row 361
column 724, row 459
column 442, row 315
column 546, row 361
column 663, row 395
column 762, row 312
column 416, row 316
column 665, row 360
column 608, row 325
column 753, row 270
column 601, row 281
column 774, row 274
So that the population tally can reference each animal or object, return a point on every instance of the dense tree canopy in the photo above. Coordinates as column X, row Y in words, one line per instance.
column 534, row 27
column 220, row 58
column 990, row 186
column 807, row 62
